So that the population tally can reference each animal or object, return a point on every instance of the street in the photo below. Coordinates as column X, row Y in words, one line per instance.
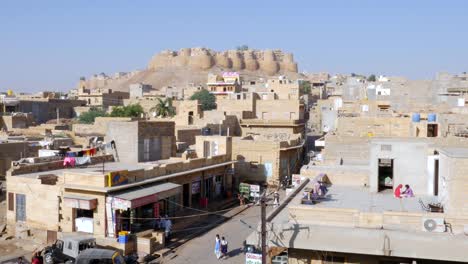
column 201, row 248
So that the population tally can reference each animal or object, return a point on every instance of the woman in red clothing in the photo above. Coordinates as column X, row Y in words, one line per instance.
column 398, row 191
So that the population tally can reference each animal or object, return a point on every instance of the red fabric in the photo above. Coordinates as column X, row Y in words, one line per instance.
column 398, row 191
column 92, row 151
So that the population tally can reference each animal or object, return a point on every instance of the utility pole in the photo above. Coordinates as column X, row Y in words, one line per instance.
column 58, row 115
column 263, row 216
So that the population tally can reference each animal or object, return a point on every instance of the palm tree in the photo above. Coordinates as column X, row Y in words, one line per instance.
column 164, row 108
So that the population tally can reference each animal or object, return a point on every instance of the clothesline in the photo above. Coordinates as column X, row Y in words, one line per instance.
column 82, row 157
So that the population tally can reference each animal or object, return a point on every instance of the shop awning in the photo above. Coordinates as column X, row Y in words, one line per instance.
column 143, row 196
column 80, row 202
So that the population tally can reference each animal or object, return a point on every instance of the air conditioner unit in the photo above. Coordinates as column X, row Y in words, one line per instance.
column 435, row 225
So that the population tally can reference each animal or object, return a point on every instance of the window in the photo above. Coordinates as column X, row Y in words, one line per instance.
column 386, row 147
column 11, row 201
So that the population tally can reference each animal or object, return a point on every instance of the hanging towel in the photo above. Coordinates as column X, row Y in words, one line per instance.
column 87, row 152
column 69, row 162
column 92, row 151
column 80, row 154
column 71, row 154
column 82, row 160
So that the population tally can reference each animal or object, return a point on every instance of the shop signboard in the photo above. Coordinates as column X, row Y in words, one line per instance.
column 253, row 258
column 254, row 188
column 116, row 178
column 121, row 204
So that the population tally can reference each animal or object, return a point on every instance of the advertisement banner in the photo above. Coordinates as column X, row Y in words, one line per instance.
column 252, row 258
column 116, row 178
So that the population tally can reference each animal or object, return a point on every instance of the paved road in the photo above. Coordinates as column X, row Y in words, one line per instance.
column 201, row 249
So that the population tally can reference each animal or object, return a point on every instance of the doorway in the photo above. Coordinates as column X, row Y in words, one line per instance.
column 385, row 174
column 186, row 194
column 436, row 177
column 20, row 207
column 431, row 130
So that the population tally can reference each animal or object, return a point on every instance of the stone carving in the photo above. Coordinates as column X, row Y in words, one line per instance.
column 268, row 61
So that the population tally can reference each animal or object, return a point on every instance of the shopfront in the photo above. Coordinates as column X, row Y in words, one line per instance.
column 83, row 212
column 135, row 210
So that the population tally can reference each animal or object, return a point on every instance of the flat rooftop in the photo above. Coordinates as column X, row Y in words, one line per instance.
column 285, row 231
column 348, row 197
column 94, row 169
column 455, row 152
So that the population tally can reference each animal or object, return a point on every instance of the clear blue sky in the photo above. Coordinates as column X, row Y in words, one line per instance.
column 48, row 45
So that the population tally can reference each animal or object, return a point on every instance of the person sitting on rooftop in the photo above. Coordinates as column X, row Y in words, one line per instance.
column 397, row 192
column 408, row 192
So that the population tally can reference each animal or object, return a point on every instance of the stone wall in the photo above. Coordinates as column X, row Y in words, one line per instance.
column 374, row 126
column 54, row 165
column 268, row 61
column 280, row 109
column 341, row 175
column 99, row 127
column 13, row 151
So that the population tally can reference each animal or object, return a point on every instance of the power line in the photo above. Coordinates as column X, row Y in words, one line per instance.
column 177, row 217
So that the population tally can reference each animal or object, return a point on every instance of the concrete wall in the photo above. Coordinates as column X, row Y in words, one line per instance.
column 453, row 183
column 375, row 126
column 223, row 145
column 99, row 127
column 40, row 198
column 410, row 159
column 341, row 175
column 14, row 151
column 187, row 134
column 280, row 109
column 352, row 150
column 253, row 157
column 17, row 121
column 44, row 110
column 130, row 138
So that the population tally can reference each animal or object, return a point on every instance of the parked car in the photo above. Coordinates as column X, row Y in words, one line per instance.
column 67, row 249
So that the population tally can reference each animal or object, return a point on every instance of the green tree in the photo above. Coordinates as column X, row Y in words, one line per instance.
column 371, row 78
column 306, row 87
column 206, row 99
column 164, row 108
column 90, row 116
column 132, row 110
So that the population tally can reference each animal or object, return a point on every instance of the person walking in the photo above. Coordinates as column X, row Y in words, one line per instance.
column 276, row 199
column 167, row 228
column 217, row 249
column 224, row 247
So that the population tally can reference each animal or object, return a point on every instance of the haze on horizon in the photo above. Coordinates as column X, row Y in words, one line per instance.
column 48, row 45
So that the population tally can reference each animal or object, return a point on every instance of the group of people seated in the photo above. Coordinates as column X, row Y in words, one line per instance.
column 319, row 190
column 406, row 193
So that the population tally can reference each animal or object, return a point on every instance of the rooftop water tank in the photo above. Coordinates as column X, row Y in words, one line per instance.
column 206, row 131
column 431, row 117
column 416, row 117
